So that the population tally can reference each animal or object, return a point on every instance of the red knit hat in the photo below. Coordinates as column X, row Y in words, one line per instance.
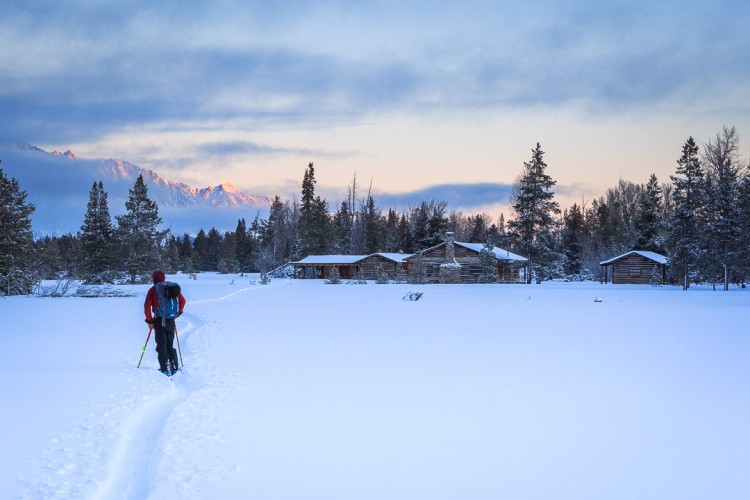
column 158, row 276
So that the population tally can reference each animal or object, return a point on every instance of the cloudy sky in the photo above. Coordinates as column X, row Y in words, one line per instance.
column 419, row 99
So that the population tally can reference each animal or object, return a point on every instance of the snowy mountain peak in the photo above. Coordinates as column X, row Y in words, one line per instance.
column 54, row 185
column 229, row 195
column 67, row 154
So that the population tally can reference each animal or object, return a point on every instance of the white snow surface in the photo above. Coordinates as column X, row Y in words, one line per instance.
column 305, row 390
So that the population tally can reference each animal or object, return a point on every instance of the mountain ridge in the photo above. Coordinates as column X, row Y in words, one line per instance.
column 56, row 182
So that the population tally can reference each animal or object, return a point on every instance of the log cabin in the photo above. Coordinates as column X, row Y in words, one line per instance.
column 459, row 262
column 637, row 267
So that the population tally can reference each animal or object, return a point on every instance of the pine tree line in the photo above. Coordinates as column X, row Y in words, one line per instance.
column 700, row 220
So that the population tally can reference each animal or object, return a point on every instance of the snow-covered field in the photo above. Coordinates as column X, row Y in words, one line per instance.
column 302, row 390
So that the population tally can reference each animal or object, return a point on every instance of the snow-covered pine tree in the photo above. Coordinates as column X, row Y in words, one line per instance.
column 488, row 263
column 277, row 235
column 400, row 274
column 358, row 279
column 138, row 233
column 429, row 223
column 655, row 278
column 689, row 198
column 381, row 276
column 16, row 241
column 334, row 278
column 97, row 251
column 532, row 228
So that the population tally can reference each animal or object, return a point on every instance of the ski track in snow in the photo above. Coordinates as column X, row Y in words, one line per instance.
column 141, row 434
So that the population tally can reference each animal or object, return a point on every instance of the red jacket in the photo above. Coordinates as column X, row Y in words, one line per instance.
column 151, row 306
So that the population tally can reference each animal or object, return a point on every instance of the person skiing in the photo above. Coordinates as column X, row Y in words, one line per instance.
column 163, row 324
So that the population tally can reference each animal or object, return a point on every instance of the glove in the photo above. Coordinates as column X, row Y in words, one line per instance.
column 179, row 313
column 150, row 323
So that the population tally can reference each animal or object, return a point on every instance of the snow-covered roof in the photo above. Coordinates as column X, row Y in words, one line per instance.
column 658, row 258
column 318, row 260
column 395, row 257
column 500, row 254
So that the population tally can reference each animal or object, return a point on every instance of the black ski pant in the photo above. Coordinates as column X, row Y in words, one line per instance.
column 164, row 336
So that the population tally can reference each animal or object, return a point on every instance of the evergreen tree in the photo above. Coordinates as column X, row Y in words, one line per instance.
column 374, row 227
column 245, row 247
column 138, row 232
column 648, row 221
column 16, row 241
column 488, row 263
column 381, row 276
column 534, row 207
column 721, row 156
column 655, row 279
column 430, row 224
column 173, row 261
column 501, row 239
column 212, row 255
column 334, row 278
column 48, row 259
column 68, row 248
column 420, row 218
column 200, row 249
column 743, row 255
column 97, row 257
column 314, row 222
column 228, row 262
column 438, row 222
column 689, row 202
column 572, row 239
column 392, row 235
column 342, row 229
column 276, row 235
column 478, row 229
column 186, row 247
column 405, row 235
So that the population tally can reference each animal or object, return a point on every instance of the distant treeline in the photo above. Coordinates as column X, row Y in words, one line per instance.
column 700, row 220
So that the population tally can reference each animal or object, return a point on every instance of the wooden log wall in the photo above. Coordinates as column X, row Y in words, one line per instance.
column 369, row 266
column 636, row 270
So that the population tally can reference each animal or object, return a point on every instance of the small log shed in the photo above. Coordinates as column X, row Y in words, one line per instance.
column 636, row 267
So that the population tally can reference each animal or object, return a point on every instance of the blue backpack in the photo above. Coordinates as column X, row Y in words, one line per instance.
column 166, row 296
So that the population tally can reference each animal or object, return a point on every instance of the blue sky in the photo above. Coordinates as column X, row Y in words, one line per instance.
column 420, row 99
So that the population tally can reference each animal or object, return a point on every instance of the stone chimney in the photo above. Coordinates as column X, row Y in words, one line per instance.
column 450, row 247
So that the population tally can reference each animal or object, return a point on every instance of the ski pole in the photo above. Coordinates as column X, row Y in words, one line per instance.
column 143, row 351
column 178, row 345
